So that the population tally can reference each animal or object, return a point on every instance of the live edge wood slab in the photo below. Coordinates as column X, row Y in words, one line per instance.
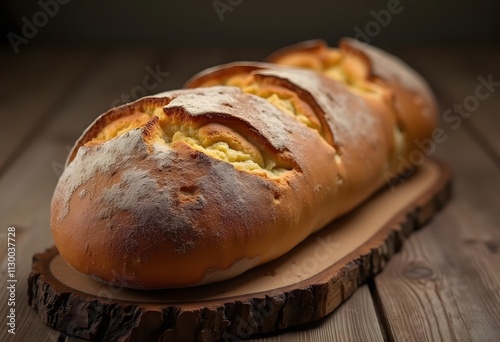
column 304, row 285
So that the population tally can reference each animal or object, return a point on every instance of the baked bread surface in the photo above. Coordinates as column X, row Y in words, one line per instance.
column 193, row 186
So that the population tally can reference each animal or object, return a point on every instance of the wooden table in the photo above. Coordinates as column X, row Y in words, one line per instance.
column 443, row 285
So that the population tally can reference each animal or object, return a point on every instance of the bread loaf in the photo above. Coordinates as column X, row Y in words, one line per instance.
column 194, row 186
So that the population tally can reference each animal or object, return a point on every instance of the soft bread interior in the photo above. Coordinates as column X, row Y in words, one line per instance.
column 286, row 100
column 213, row 139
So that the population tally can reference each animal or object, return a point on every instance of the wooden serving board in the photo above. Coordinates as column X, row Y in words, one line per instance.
column 304, row 285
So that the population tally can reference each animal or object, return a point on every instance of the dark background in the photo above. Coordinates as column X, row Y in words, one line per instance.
column 250, row 22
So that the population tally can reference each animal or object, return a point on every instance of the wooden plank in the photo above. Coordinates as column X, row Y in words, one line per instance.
column 28, row 183
column 354, row 320
column 444, row 284
column 32, row 83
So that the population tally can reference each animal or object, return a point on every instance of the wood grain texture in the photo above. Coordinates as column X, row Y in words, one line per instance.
column 444, row 285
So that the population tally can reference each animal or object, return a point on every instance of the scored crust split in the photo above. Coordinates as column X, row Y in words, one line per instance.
column 194, row 186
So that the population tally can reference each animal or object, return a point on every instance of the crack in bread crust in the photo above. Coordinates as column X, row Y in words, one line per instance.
column 284, row 99
column 288, row 97
column 173, row 127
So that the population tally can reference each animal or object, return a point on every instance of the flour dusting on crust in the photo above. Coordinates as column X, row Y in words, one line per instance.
column 106, row 158
column 152, row 203
column 348, row 116
column 210, row 100
column 232, row 101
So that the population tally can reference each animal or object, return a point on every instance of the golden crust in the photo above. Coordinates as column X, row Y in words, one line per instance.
column 194, row 186
column 401, row 91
